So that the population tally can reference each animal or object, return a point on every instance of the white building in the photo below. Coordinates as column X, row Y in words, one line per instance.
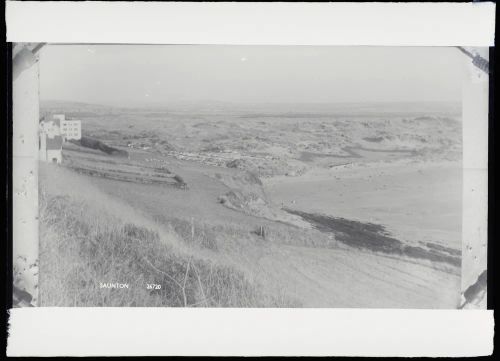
column 53, row 132
column 50, row 147
column 70, row 128
column 50, row 127
column 54, row 149
column 50, row 141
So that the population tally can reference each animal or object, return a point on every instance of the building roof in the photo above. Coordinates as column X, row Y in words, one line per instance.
column 54, row 143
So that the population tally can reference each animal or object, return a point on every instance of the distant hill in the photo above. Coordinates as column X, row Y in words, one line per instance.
column 75, row 109
column 70, row 104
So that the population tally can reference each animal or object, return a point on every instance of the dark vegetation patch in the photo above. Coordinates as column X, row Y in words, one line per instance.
column 162, row 178
column 235, row 163
column 212, row 149
column 375, row 238
column 180, row 181
column 102, row 166
column 374, row 139
column 440, row 248
column 475, row 289
column 93, row 143
column 251, row 178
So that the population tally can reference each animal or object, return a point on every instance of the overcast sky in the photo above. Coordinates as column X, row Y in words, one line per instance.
column 142, row 74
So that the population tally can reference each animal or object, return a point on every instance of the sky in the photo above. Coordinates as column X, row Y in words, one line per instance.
column 163, row 74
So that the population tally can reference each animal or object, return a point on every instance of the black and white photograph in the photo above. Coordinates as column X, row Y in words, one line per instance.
column 249, row 179
column 249, row 176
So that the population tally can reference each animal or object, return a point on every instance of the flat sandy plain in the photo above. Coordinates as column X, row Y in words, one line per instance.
column 414, row 201
column 353, row 206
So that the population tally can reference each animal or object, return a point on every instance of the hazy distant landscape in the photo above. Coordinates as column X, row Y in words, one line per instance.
column 256, row 205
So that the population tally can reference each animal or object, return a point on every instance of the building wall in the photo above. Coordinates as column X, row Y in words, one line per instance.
column 71, row 129
column 50, row 128
column 54, row 154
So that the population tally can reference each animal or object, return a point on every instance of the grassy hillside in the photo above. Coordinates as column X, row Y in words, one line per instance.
column 83, row 244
